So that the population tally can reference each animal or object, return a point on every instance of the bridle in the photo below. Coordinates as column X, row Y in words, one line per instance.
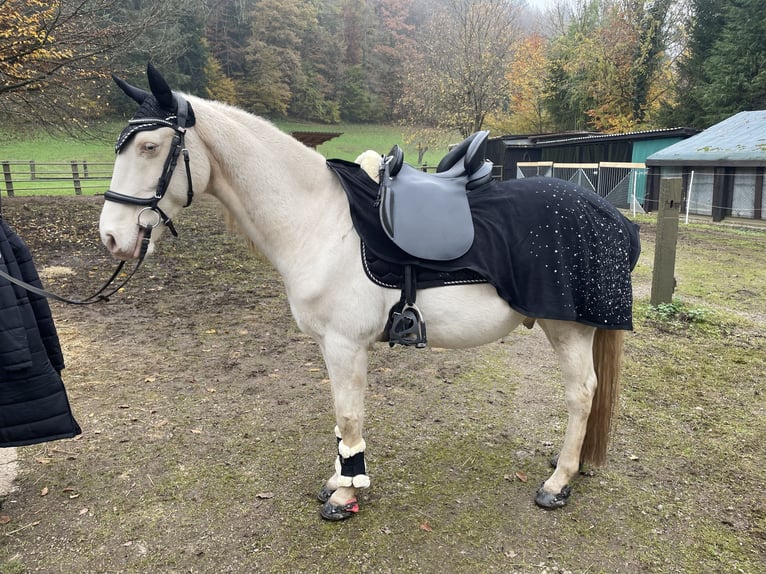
column 177, row 147
column 178, row 124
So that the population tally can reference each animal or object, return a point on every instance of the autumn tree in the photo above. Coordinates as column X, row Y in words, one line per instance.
column 273, row 54
column 609, row 70
column 54, row 55
column 395, row 46
column 315, row 95
column 525, row 110
column 458, row 77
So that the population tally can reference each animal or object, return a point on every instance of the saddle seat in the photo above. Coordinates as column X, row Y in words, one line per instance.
column 428, row 215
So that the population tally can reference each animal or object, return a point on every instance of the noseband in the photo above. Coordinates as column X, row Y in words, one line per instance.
column 178, row 147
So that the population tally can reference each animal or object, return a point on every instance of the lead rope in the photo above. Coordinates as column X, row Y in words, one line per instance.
column 99, row 295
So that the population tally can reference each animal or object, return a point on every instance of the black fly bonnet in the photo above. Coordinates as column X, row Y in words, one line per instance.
column 160, row 108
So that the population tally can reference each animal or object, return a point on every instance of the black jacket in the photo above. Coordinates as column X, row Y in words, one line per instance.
column 33, row 402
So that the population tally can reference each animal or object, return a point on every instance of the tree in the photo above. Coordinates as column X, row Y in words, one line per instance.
column 316, row 93
column 459, row 76
column 273, row 54
column 228, row 31
column 608, row 71
column 734, row 73
column 569, row 97
column 395, row 46
column 526, row 110
column 54, row 56
column 705, row 24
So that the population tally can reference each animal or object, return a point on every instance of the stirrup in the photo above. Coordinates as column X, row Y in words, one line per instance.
column 407, row 327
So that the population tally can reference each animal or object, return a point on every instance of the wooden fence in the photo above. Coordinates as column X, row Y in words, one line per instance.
column 53, row 178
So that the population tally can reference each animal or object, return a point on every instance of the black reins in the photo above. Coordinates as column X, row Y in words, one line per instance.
column 177, row 123
column 106, row 290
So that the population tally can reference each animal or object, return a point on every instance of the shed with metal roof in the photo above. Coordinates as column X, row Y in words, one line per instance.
column 722, row 168
column 609, row 164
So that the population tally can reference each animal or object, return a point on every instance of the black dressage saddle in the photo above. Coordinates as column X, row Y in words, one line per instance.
column 427, row 215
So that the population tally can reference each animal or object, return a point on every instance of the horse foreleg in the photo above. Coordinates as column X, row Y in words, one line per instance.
column 573, row 344
column 347, row 366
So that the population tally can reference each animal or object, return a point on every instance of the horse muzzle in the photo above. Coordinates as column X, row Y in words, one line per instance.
column 142, row 245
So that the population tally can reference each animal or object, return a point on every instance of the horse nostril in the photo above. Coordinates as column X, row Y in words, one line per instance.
column 110, row 242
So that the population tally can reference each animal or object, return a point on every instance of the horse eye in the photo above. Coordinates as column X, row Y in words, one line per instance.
column 149, row 147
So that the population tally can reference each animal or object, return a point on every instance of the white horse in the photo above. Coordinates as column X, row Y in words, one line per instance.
column 292, row 207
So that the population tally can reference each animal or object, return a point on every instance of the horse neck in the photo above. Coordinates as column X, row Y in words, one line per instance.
column 279, row 191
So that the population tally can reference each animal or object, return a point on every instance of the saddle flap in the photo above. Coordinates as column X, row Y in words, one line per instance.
column 427, row 217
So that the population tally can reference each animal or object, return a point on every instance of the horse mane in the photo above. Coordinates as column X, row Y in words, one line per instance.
column 218, row 121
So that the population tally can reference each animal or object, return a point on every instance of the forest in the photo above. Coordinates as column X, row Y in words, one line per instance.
column 511, row 66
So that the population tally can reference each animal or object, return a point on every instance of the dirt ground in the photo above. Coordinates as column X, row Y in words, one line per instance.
column 207, row 430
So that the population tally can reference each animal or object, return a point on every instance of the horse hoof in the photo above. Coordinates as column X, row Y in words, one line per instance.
column 324, row 494
column 551, row 501
column 337, row 512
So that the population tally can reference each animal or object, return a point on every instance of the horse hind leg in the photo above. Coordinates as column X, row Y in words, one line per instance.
column 573, row 344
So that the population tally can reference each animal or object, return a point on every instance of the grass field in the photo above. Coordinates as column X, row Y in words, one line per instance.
column 20, row 146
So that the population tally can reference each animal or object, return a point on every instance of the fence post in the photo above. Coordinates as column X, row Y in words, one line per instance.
column 85, row 169
column 32, row 170
column 76, row 178
column 8, row 178
column 663, row 276
column 689, row 197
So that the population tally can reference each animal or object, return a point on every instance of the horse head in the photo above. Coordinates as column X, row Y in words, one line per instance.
column 146, row 190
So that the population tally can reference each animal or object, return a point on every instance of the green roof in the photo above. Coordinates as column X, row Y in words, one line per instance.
column 738, row 140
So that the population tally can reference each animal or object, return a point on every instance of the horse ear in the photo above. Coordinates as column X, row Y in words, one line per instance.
column 160, row 88
column 136, row 94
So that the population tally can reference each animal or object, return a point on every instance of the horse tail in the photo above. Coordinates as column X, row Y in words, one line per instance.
column 607, row 363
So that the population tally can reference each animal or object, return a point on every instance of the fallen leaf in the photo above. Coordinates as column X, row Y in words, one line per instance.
column 83, row 511
column 5, row 519
column 43, row 460
column 265, row 495
column 427, row 527
column 196, row 431
column 44, row 491
column 522, row 476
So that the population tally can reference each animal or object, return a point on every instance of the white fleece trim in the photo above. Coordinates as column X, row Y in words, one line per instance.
column 347, row 452
column 337, row 432
column 361, row 481
column 358, row 481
